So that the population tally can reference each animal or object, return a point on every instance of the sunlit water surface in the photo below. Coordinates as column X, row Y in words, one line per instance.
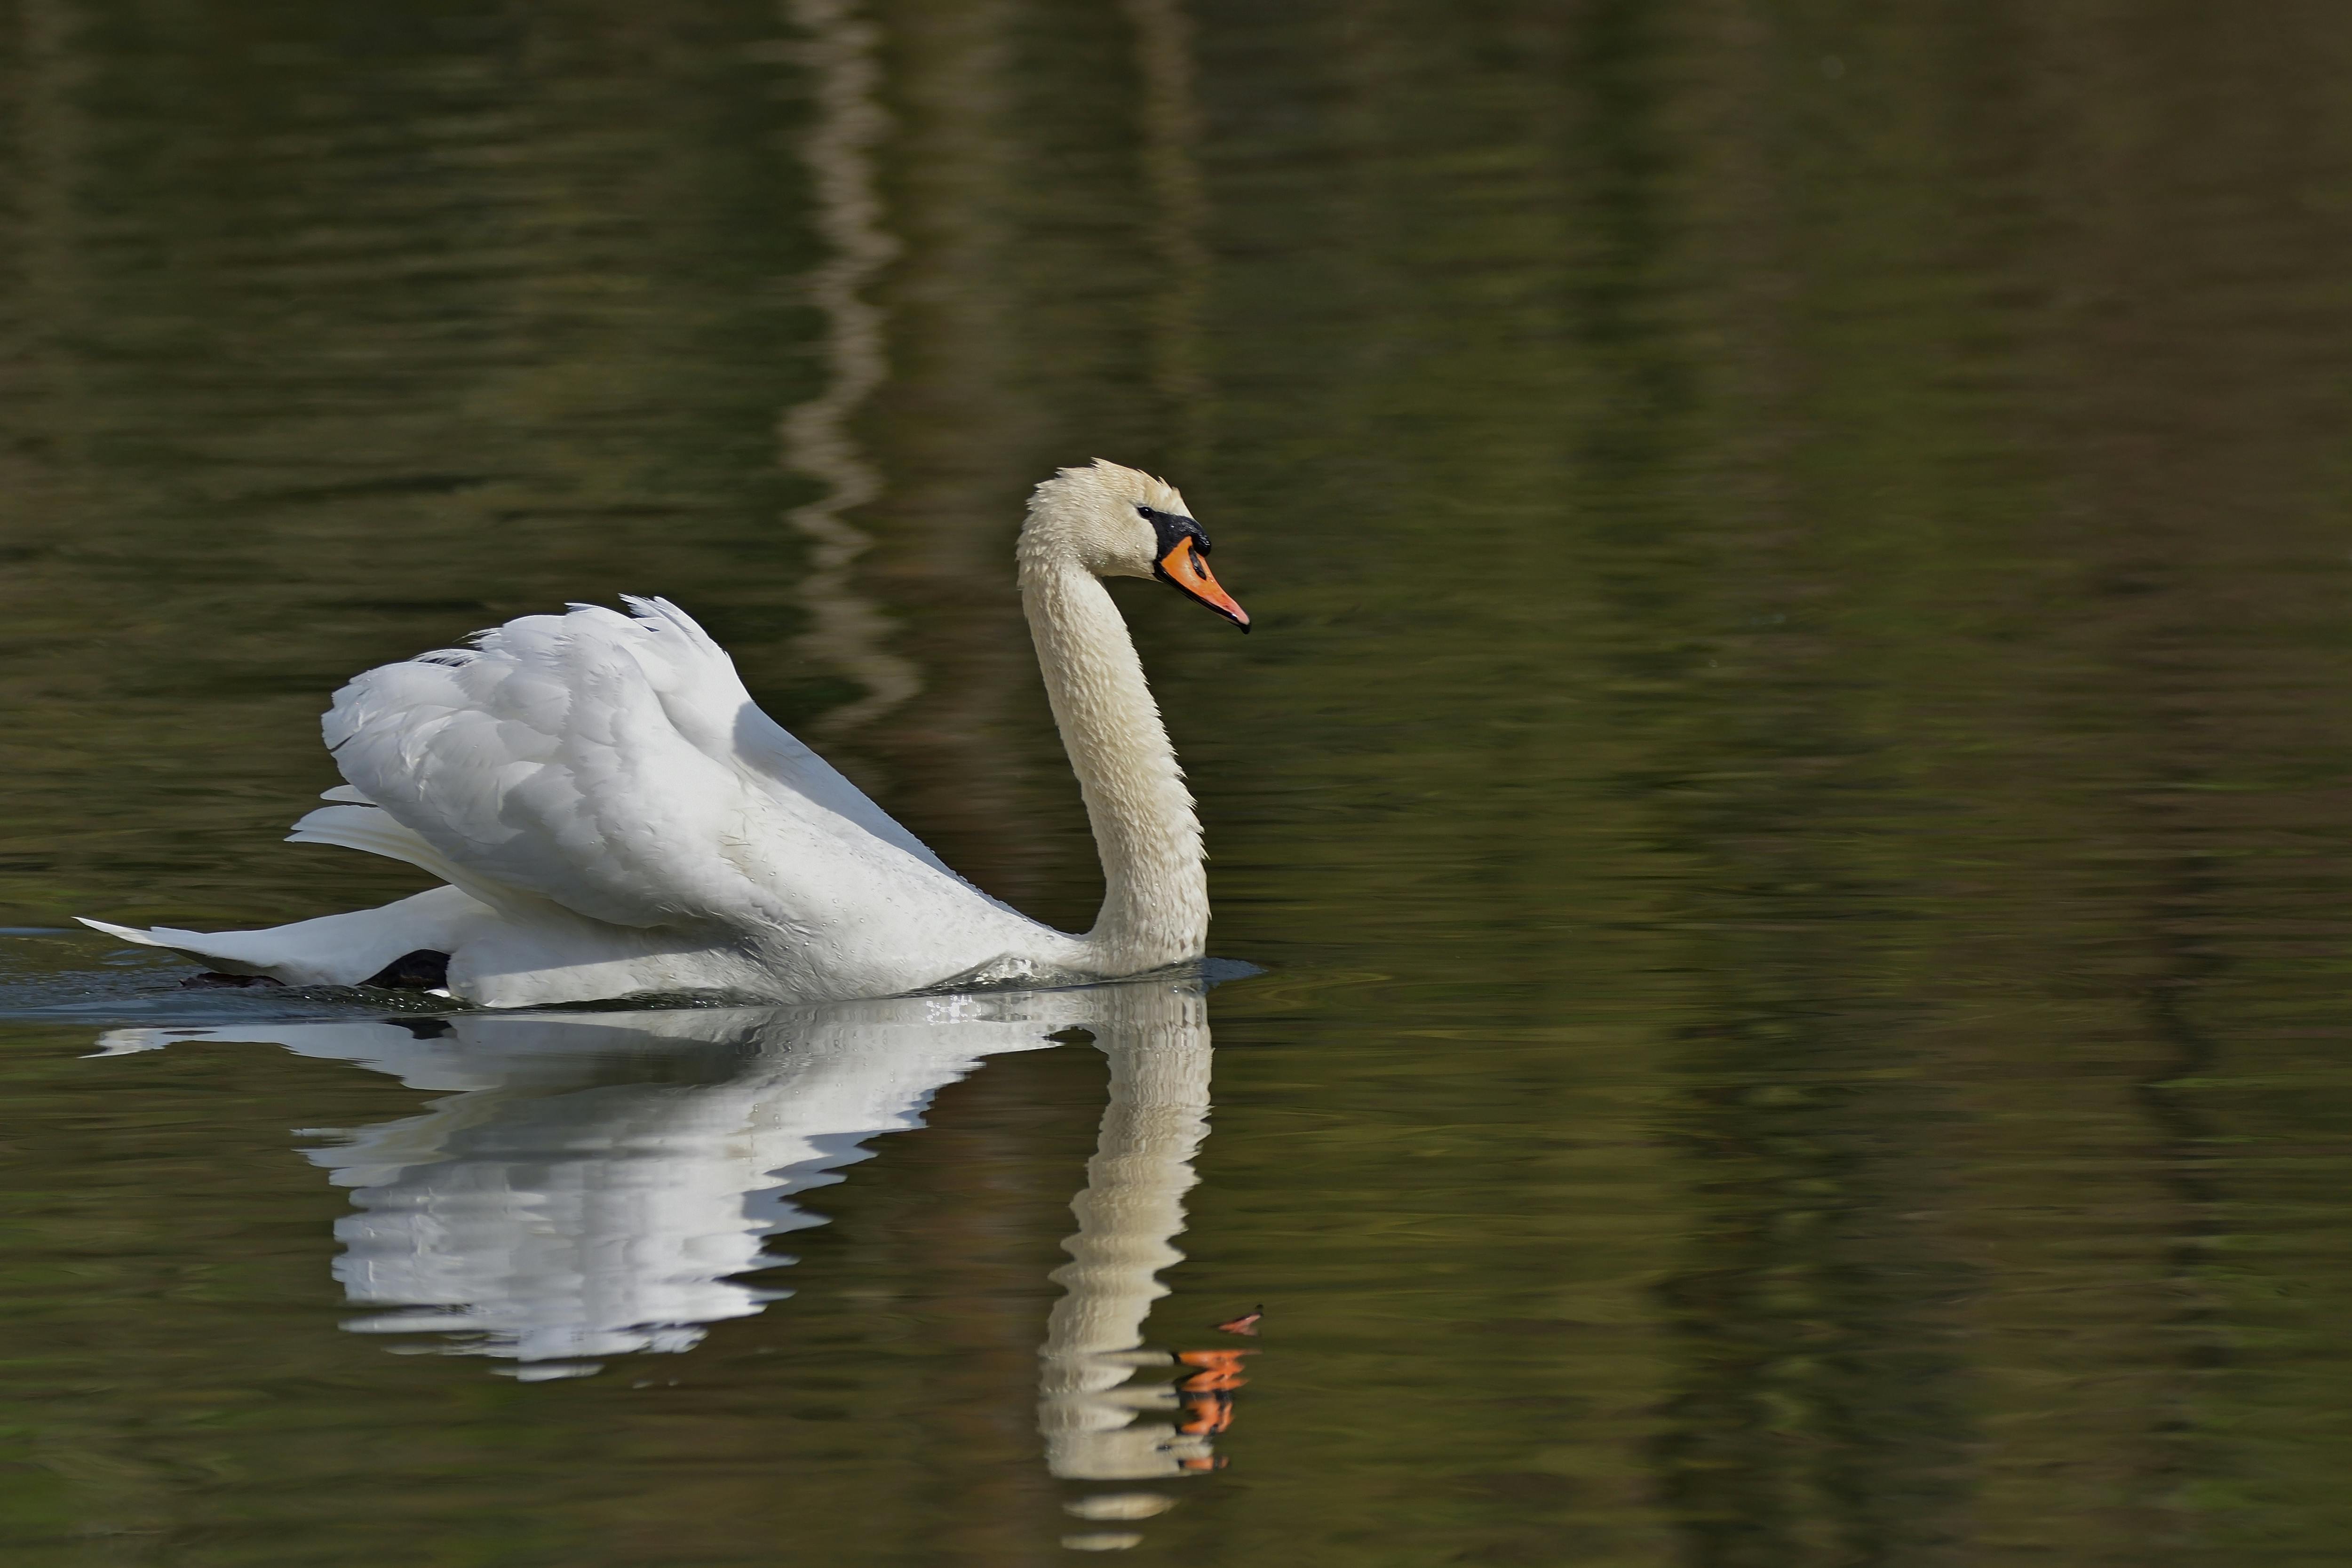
column 1788, row 797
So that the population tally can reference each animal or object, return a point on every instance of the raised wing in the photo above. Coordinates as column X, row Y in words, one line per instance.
column 615, row 764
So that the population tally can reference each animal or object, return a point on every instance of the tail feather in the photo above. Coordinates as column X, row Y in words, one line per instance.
column 223, row 949
column 333, row 950
column 345, row 949
column 131, row 934
column 217, row 948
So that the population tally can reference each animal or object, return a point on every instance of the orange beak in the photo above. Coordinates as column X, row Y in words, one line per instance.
column 1184, row 567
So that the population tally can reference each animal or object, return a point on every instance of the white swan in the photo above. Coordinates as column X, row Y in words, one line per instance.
column 613, row 816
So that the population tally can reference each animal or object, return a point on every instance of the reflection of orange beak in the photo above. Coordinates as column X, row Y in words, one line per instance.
column 1183, row 566
column 1220, row 1371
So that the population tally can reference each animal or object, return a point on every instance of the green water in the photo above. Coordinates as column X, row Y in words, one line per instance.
column 1789, row 793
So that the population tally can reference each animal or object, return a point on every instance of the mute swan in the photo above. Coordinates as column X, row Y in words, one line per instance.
column 613, row 816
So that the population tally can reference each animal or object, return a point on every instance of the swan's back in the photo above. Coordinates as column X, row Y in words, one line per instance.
column 615, row 766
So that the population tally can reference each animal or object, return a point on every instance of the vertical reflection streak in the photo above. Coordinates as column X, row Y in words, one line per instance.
column 49, row 75
column 848, row 632
column 1180, row 209
column 962, row 430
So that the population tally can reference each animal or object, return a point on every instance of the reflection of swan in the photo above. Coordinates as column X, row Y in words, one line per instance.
column 597, row 1180
column 599, row 1184
column 613, row 815
column 596, row 1183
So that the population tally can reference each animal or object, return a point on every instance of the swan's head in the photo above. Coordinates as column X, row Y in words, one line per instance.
column 1117, row 523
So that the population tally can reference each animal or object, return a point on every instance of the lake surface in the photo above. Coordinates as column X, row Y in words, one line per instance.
column 1781, row 849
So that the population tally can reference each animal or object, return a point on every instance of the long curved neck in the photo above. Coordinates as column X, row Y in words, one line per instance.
column 1155, row 906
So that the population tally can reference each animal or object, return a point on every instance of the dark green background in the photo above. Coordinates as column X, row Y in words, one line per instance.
column 1790, row 785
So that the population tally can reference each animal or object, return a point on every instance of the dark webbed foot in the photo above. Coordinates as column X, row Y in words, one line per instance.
column 422, row 969
column 212, row 981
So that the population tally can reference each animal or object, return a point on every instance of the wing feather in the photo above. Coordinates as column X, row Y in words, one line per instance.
column 613, row 763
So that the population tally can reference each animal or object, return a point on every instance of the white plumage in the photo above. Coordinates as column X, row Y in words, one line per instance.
column 613, row 815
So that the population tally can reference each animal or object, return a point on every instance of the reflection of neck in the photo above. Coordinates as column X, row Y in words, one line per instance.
column 1155, row 906
column 1128, row 1213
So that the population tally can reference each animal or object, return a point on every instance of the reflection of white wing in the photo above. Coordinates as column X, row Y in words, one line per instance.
column 560, row 1205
